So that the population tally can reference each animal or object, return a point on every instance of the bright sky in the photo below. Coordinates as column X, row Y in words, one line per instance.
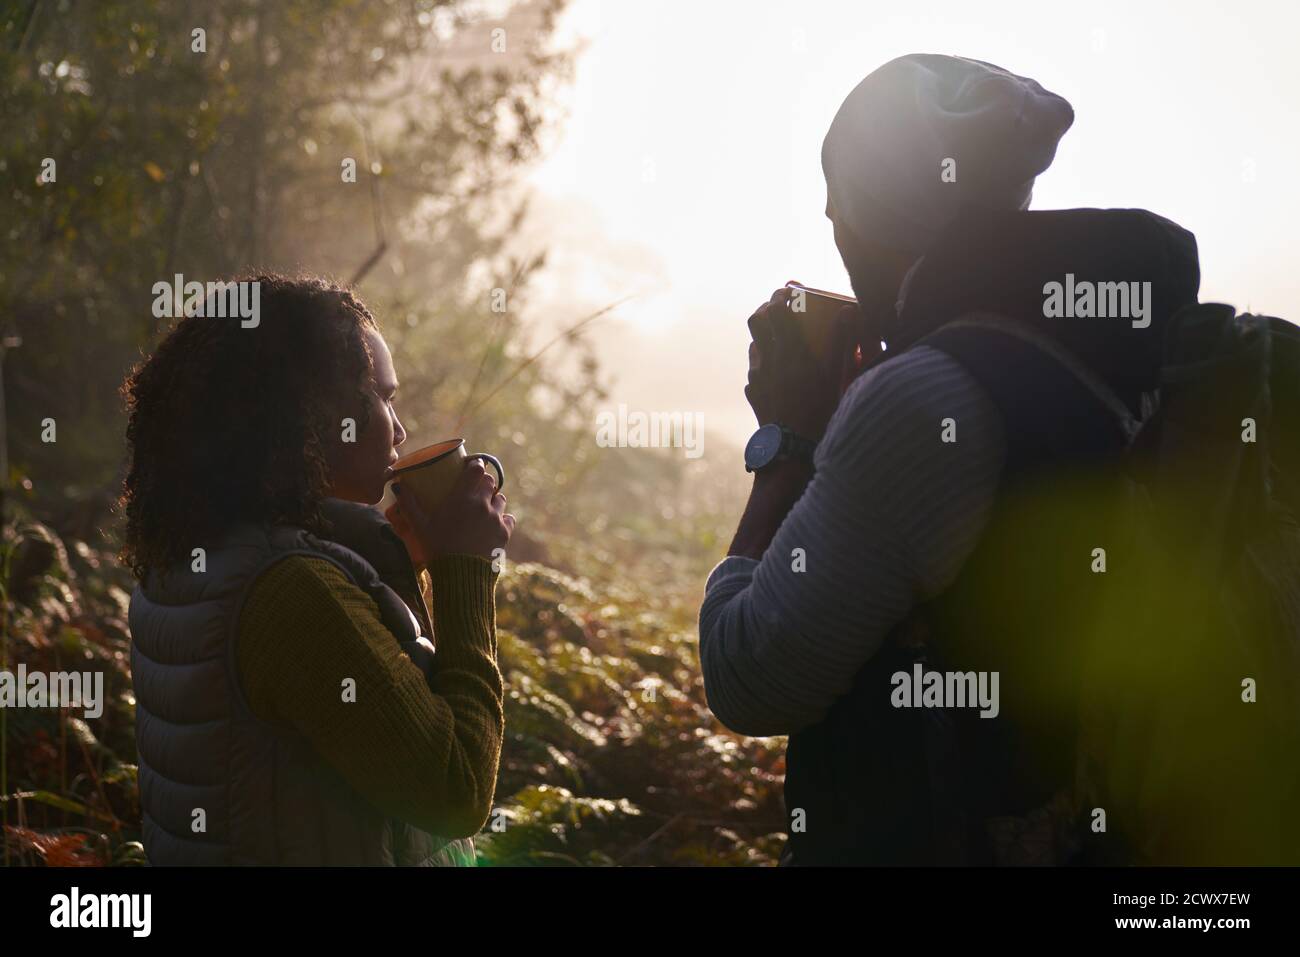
column 688, row 172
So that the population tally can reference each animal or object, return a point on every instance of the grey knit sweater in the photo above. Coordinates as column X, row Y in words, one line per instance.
column 892, row 513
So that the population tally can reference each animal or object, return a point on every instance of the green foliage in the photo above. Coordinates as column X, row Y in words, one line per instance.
column 612, row 755
column 65, row 609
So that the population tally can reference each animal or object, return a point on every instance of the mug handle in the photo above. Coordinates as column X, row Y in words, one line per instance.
column 494, row 462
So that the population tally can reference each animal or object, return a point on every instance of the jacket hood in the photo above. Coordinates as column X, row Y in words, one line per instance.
column 1003, row 261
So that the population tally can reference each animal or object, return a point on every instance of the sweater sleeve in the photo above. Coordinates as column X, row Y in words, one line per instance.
column 891, row 514
column 425, row 752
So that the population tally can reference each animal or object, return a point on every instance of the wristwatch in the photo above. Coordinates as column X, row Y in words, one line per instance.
column 775, row 443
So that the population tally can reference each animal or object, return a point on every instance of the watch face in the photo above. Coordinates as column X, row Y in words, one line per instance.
column 763, row 447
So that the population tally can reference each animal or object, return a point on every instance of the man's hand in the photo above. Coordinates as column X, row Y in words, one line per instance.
column 787, row 384
column 790, row 386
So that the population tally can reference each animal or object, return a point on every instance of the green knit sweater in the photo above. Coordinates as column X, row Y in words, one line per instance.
column 423, row 752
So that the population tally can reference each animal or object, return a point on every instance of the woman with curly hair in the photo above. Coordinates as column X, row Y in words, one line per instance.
column 290, row 706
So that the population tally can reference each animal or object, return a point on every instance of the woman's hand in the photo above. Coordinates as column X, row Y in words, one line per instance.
column 787, row 384
column 471, row 520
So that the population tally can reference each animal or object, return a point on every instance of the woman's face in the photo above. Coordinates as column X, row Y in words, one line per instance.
column 359, row 469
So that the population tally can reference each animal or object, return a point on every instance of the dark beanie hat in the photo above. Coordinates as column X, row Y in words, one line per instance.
column 886, row 156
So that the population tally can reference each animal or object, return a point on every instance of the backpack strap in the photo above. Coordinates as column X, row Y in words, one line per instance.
column 1056, row 410
column 1059, row 416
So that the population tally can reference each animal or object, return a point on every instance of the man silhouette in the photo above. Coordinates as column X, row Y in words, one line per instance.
column 943, row 511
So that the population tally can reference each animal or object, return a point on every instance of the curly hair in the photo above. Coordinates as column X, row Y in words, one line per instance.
column 228, row 424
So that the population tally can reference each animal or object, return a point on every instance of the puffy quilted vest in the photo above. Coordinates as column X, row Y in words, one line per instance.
column 218, row 785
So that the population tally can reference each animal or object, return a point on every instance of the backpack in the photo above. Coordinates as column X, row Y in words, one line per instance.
column 1189, row 745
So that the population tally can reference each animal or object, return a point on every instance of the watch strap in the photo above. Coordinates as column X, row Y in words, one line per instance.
column 797, row 447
